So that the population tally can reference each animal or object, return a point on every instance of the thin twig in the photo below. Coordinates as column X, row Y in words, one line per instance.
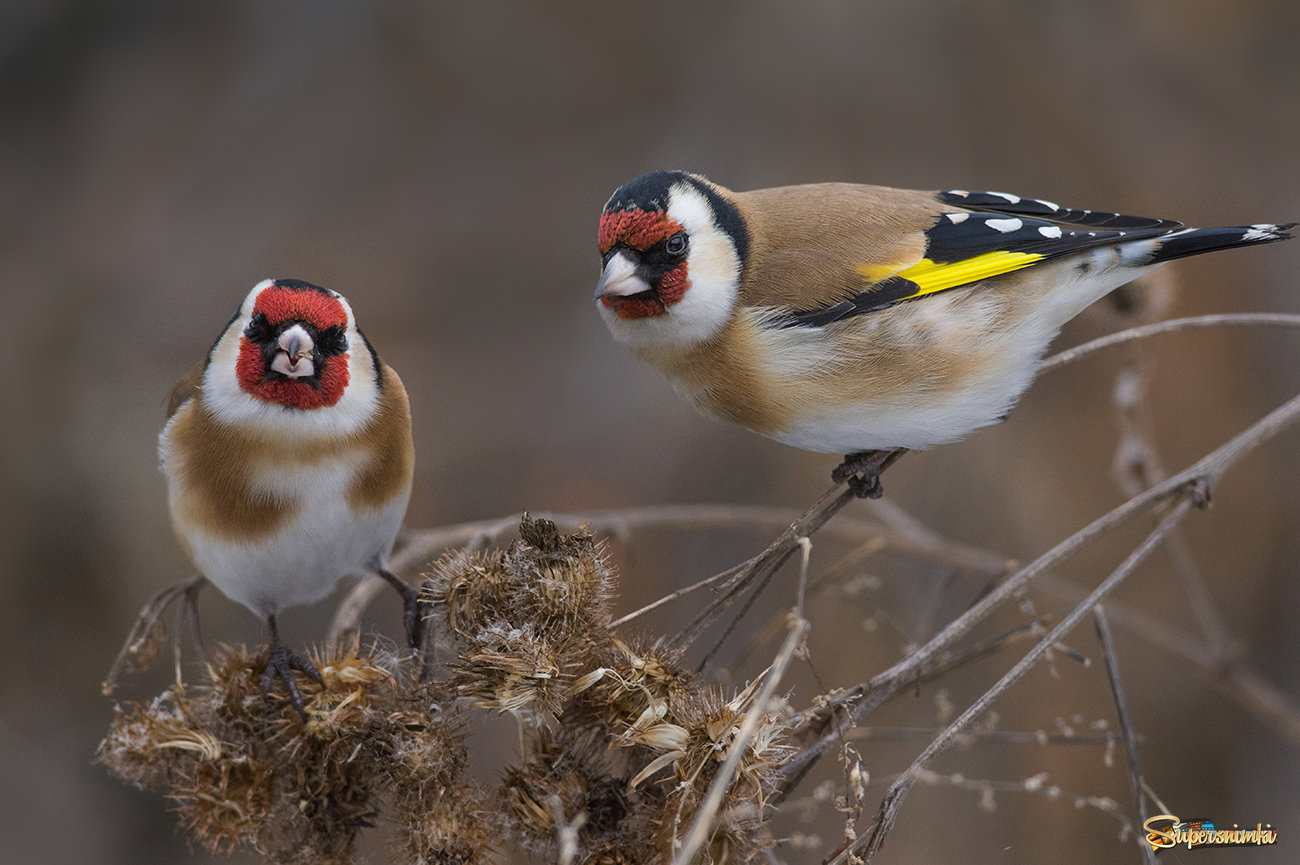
column 1125, row 722
column 1035, row 784
column 140, row 647
column 1252, row 319
column 765, row 564
column 905, row 533
column 566, row 831
column 1262, row 699
column 1138, row 466
column 871, row 842
column 719, row 577
column 1006, row 737
column 949, row 661
column 1203, row 474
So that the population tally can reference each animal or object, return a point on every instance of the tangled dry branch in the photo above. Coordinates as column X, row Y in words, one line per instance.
column 626, row 753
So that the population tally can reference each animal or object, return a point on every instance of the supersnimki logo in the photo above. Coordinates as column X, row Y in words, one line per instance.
column 1166, row 830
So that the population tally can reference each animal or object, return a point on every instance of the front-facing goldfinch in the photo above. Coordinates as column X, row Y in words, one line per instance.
column 862, row 320
column 288, row 458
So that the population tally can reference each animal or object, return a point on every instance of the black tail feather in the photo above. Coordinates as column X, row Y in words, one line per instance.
column 1194, row 241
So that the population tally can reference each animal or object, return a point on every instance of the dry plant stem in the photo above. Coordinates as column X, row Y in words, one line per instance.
column 190, row 611
column 1138, row 466
column 1033, row 785
column 761, row 567
column 566, row 832
column 904, row 532
column 897, row 530
column 871, row 842
column 145, row 623
column 1198, row 595
column 1241, row 319
column 702, row 825
column 1125, row 722
column 1204, row 475
column 1015, row 737
column 950, row 661
column 672, row 596
column 1262, row 699
column 736, row 619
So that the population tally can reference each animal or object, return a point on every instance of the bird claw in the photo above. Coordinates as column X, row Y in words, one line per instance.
column 281, row 664
column 866, row 486
column 411, row 619
column 861, row 471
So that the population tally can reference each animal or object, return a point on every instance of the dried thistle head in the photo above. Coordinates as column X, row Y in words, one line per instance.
column 624, row 746
column 564, row 576
column 529, row 620
column 468, row 589
column 439, row 813
column 446, row 828
column 684, row 743
column 516, row 669
column 244, row 772
column 569, row 777
column 633, row 678
column 543, row 577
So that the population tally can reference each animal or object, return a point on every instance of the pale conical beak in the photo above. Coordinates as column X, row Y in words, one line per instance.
column 294, row 358
column 620, row 278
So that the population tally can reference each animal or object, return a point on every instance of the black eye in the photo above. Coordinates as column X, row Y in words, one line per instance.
column 676, row 245
column 332, row 341
column 259, row 329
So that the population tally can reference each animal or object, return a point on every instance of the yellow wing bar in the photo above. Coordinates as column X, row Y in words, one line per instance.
column 931, row 276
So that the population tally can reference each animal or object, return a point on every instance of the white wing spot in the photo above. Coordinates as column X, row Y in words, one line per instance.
column 1052, row 231
column 1011, row 199
column 1006, row 226
column 1052, row 204
column 960, row 192
column 957, row 218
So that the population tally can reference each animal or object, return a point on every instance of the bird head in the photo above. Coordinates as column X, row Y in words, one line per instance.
column 672, row 248
column 293, row 350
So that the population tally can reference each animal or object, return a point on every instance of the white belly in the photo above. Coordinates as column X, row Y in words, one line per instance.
column 909, row 423
column 304, row 560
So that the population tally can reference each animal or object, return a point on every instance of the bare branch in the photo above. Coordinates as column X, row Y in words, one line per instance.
column 1201, row 477
column 874, row 838
column 1125, row 722
column 1239, row 319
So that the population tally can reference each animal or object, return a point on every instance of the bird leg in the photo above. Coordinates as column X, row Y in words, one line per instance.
column 862, row 471
column 410, row 607
column 280, row 663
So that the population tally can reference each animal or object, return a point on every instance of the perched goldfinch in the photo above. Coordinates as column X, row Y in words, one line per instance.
column 288, row 458
column 862, row 320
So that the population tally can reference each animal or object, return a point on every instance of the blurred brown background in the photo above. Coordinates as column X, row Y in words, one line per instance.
column 444, row 165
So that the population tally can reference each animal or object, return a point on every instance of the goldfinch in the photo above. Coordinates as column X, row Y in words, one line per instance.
column 862, row 320
column 288, row 458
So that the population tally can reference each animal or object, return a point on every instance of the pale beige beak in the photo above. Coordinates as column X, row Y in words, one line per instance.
column 294, row 358
column 621, row 278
